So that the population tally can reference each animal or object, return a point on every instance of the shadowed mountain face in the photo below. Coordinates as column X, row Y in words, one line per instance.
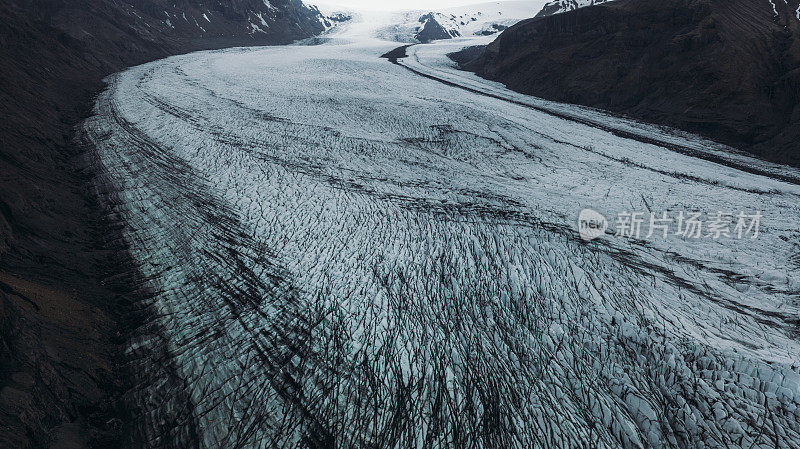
column 727, row 69
column 59, row 316
column 179, row 25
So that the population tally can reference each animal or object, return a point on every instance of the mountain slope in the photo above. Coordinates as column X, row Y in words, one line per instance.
column 177, row 25
column 60, row 284
column 728, row 69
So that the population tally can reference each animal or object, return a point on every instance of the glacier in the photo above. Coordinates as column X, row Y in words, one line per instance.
column 339, row 251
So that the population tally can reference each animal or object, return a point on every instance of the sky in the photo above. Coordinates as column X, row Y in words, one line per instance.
column 393, row 5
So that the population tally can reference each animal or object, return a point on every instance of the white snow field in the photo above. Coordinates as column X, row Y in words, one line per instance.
column 340, row 252
column 469, row 20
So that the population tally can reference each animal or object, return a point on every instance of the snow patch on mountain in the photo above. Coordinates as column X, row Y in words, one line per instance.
column 774, row 8
column 559, row 6
column 330, row 16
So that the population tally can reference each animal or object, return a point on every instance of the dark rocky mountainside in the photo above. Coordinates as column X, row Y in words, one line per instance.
column 727, row 69
column 132, row 26
column 433, row 30
column 61, row 278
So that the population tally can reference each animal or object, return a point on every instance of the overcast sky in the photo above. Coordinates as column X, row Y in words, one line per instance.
column 393, row 5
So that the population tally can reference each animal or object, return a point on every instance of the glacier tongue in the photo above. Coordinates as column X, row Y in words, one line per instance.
column 341, row 253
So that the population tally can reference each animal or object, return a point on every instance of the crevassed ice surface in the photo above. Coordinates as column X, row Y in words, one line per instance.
column 342, row 253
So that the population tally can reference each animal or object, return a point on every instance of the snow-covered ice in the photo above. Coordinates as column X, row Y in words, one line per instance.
column 339, row 252
column 469, row 20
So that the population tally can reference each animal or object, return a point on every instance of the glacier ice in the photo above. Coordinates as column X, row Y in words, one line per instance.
column 338, row 252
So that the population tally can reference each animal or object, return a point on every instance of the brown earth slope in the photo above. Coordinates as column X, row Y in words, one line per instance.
column 62, row 281
column 727, row 69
